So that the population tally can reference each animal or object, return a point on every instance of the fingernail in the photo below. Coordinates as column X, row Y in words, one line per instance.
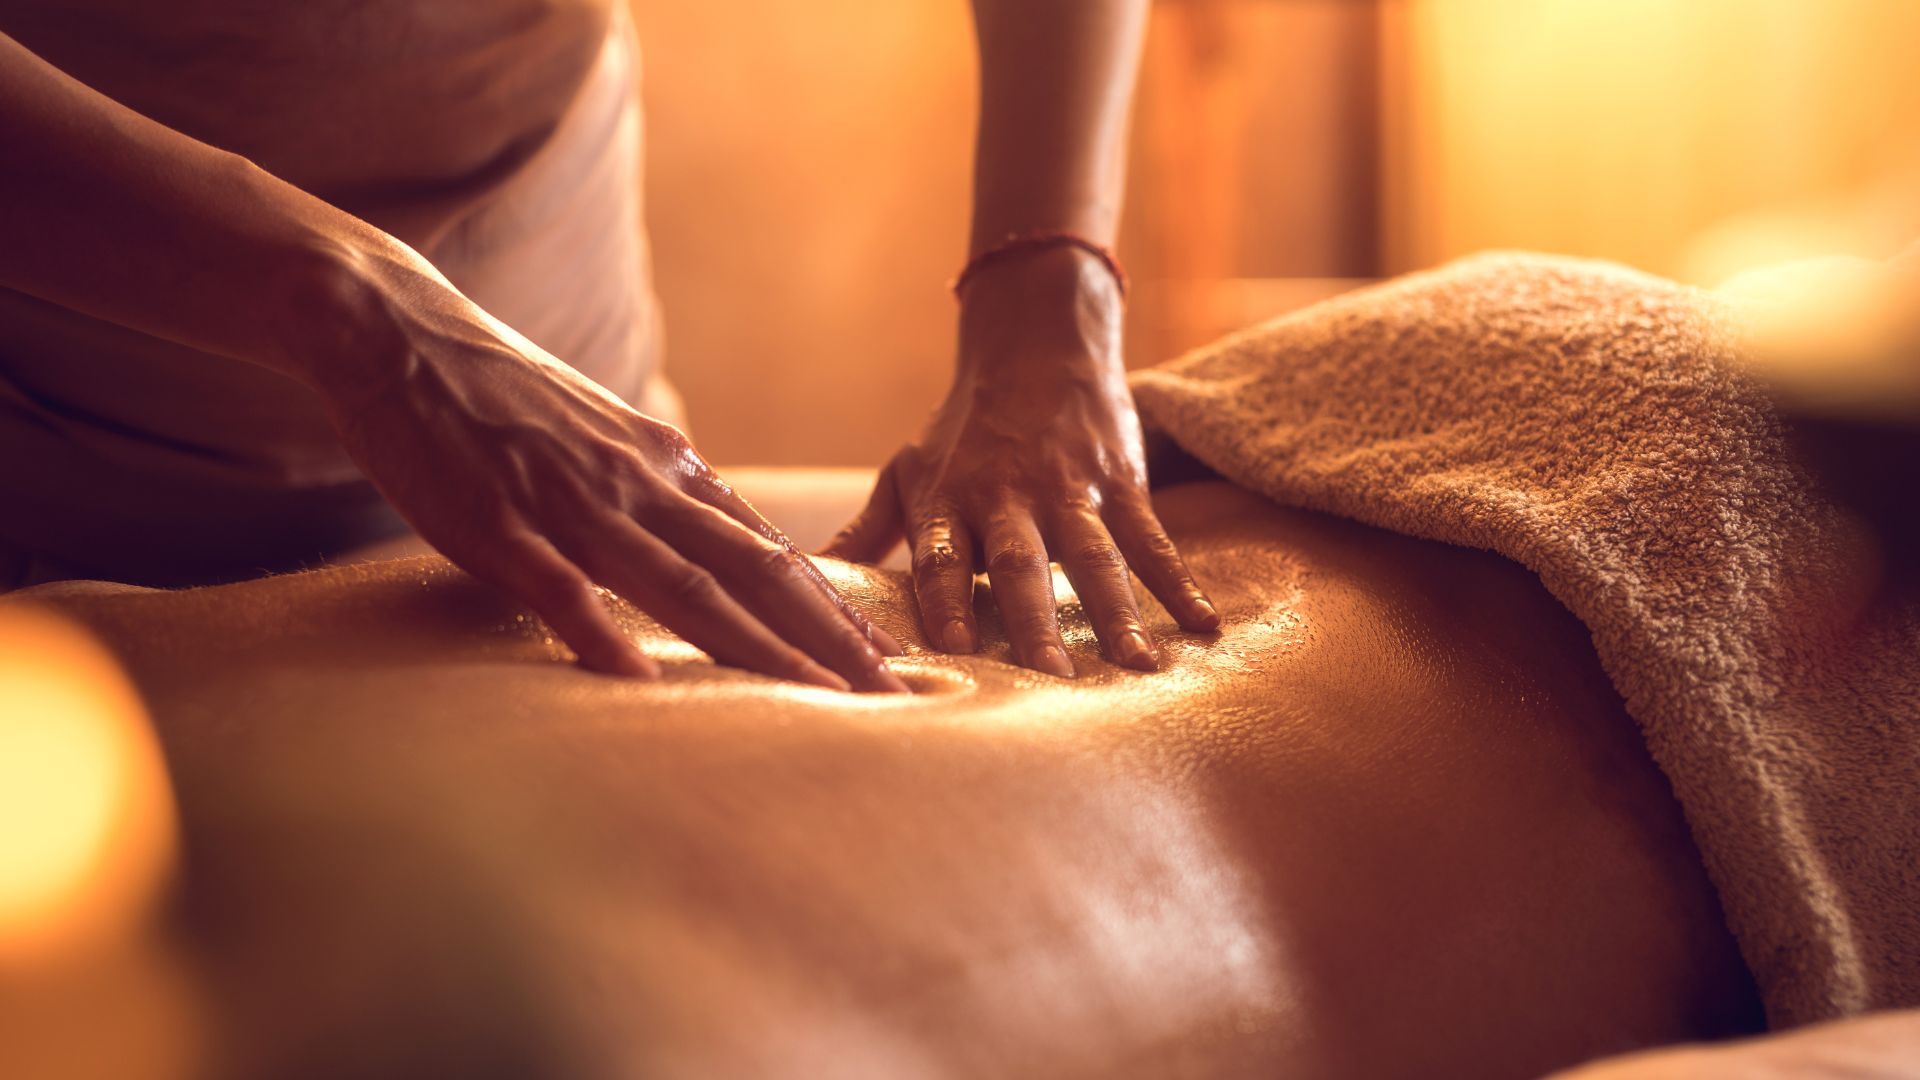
column 956, row 638
column 1133, row 650
column 811, row 672
column 885, row 681
column 1200, row 614
column 1052, row 660
column 630, row 662
column 885, row 642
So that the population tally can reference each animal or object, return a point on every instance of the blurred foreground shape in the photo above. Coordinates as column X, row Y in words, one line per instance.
column 89, row 987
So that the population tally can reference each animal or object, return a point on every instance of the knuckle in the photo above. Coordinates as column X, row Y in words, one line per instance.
column 938, row 558
column 692, row 586
column 1036, row 623
column 774, row 562
column 1016, row 557
column 547, row 588
column 1159, row 545
column 1099, row 556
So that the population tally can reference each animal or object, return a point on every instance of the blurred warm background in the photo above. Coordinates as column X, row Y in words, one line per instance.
column 807, row 176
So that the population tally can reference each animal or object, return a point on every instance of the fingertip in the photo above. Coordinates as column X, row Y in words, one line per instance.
column 1051, row 660
column 958, row 638
column 886, row 682
column 815, row 674
column 623, row 660
column 885, row 642
column 1199, row 615
column 1133, row 649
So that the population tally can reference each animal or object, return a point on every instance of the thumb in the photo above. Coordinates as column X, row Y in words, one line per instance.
column 876, row 529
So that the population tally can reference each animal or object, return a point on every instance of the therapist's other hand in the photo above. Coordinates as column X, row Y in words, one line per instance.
column 1036, row 452
column 534, row 478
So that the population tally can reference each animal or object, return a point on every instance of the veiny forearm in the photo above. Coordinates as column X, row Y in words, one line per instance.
column 112, row 214
column 1056, row 80
column 526, row 473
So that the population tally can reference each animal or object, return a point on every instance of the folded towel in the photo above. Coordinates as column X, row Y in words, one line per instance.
column 1593, row 423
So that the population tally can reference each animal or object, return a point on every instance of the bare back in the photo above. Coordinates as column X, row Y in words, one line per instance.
column 1391, row 821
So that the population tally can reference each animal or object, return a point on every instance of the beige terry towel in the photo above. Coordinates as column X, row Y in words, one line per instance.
column 1589, row 422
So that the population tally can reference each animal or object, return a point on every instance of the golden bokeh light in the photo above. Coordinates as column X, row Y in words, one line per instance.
column 1692, row 139
column 91, row 987
column 61, row 776
column 86, row 825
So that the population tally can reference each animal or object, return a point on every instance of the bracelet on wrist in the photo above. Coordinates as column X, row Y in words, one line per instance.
column 1017, row 244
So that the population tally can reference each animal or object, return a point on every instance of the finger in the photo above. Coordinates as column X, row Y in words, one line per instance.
column 1023, row 587
column 876, row 529
column 530, row 570
column 722, row 497
column 1151, row 554
column 1099, row 575
column 943, row 582
column 688, row 600
column 779, row 586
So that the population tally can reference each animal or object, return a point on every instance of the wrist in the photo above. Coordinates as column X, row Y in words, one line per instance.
column 1057, row 304
column 338, row 310
column 1015, row 246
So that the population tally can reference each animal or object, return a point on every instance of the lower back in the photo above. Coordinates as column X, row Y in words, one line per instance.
column 1391, row 822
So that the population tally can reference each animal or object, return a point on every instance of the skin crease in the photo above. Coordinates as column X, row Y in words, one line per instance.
column 1390, row 821
column 260, row 184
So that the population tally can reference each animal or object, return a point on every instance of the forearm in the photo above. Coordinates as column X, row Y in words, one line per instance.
column 1056, row 81
column 1035, row 455
column 109, row 213
column 520, row 469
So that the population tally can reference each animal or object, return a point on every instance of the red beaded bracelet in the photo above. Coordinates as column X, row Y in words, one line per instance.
column 1018, row 243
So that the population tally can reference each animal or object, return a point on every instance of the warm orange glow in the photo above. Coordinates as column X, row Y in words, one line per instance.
column 86, row 824
column 1838, row 335
column 808, row 170
column 89, row 987
column 61, row 773
column 1691, row 139
column 807, row 192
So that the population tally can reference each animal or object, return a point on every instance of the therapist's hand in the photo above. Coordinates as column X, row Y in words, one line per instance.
column 520, row 470
column 532, row 477
column 1035, row 453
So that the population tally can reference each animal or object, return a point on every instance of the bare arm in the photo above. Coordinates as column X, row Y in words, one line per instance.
column 1056, row 87
column 514, row 465
column 1036, row 451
